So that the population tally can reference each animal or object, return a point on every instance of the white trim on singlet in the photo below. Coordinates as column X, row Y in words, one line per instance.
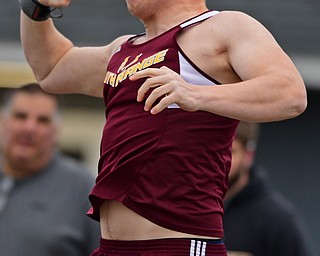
column 199, row 18
column 190, row 75
column 187, row 71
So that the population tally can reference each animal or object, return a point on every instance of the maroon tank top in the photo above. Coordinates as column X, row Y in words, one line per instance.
column 170, row 168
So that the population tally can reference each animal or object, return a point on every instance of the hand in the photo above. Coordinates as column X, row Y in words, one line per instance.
column 55, row 3
column 169, row 88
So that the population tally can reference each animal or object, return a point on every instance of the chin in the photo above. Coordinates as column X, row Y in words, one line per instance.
column 23, row 155
column 138, row 8
column 22, row 158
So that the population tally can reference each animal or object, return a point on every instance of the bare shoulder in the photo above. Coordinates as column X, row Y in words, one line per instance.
column 230, row 27
column 108, row 50
column 234, row 18
column 237, row 23
column 118, row 41
column 237, row 27
column 229, row 38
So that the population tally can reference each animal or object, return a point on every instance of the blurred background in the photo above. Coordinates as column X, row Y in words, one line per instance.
column 290, row 150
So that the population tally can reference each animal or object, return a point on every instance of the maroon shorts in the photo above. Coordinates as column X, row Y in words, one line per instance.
column 161, row 247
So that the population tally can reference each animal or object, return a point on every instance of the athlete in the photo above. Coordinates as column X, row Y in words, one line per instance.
column 173, row 97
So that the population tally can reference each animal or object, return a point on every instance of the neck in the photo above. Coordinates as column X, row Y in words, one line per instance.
column 169, row 16
column 22, row 169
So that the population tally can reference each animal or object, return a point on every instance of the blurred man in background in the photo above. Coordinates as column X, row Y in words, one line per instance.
column 43, row 194
column 258, row 221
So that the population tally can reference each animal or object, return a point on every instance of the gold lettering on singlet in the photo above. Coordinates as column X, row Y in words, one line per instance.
column 127, row 71
column 160, row 56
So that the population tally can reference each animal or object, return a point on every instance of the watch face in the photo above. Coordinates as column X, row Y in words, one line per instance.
column 234, row 253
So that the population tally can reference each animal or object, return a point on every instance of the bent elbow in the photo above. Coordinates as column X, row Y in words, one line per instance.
column 298, row 103
column 46, row 86
column 301, row 106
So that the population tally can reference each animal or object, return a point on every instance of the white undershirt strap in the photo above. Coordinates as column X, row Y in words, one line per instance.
column 199, row 18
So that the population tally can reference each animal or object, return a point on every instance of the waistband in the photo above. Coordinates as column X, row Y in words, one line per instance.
column 169, row 246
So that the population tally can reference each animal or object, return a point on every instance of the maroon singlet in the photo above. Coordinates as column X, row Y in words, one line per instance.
column 170, row 168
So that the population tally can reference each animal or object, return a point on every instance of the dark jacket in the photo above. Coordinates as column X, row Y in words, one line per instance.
column 260, row 221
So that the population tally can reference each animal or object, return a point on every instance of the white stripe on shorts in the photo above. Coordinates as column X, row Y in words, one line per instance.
column 198, row 249
column 192, row 247
column 203, row 251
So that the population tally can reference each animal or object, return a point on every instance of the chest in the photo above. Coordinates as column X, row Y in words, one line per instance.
column 206, row 48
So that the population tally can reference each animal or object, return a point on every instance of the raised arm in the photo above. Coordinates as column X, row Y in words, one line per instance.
column 58, row 65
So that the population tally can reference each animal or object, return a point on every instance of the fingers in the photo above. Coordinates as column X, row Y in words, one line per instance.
column 161, row 90
column 147, row 85
column 156, row 79
column 160, row 94
column 159, row 78
column 149, row 72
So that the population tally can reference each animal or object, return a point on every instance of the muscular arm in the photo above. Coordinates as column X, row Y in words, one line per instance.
column 259, row 81
column 58, row 65
column 271, row 88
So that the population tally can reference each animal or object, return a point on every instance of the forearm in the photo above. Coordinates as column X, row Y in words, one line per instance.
column 263, row 99
column 43, row 45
